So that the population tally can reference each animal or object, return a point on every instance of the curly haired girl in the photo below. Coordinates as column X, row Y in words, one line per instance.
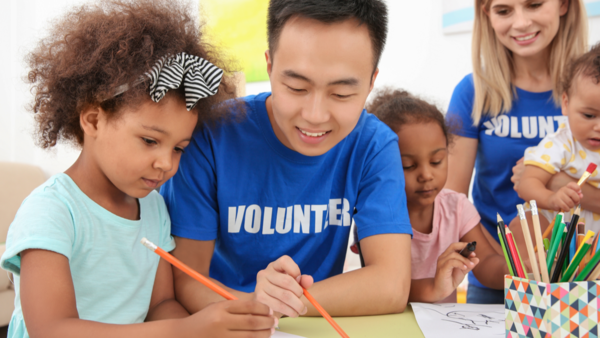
column 128, row 82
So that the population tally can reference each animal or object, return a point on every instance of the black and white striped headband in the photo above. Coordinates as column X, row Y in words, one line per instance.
column 199, row 77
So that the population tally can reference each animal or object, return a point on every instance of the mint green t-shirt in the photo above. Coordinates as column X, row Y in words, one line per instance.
column 113, row 274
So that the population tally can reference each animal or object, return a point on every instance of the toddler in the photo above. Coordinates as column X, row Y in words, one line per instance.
column 572, row 148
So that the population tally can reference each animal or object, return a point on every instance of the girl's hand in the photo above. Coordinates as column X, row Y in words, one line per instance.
column 565, row 198
column 451, row 269
column 280, row 287
column 234, row 318
column 517, row 173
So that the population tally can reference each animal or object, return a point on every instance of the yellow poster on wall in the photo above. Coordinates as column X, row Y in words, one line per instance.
column 239, row 28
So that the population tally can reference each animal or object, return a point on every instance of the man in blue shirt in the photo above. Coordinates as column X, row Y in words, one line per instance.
column 264, row 205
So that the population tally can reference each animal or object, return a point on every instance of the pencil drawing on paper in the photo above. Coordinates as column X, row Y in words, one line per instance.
column 460, row 320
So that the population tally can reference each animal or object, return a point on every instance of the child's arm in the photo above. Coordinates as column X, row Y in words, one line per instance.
column 492, row 267
column 163, row 304
column 451, row 270
column 591, row 195
column 533, row 187
column 49, row 308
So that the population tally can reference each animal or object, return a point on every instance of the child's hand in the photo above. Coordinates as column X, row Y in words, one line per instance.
column 451, row 269
column 234, row 318
column 566, row 197
column 280, row 287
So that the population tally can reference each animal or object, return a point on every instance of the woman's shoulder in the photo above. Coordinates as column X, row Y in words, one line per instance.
column 461, row 106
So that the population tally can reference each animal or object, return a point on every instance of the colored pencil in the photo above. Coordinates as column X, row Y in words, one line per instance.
column 546, row 245
column 189, row 271
column 528, row 242
column 511, row 259
column 513, row 251
column 518, row 253
column 565, row 249
column 586, row 260
column 588, row 268
column 581, row 251
column 506, row 257
column 324, row 313
column 557, row 220
column 216, row 288
column 587, row 238
column 554, row 247
column 548, row 231
column 538, row 239
column 573, row 275
column 595, row 274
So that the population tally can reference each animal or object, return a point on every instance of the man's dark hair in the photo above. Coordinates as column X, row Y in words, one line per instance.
column 372, row 13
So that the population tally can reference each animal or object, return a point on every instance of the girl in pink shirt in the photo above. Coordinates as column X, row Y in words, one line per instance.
column 443, row 221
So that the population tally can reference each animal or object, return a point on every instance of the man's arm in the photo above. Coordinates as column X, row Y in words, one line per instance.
column 381, row 287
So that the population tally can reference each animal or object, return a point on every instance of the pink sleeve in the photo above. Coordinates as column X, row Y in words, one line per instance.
column 468, row 217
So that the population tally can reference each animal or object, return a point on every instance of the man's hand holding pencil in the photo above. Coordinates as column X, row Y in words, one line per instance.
column 280, row 287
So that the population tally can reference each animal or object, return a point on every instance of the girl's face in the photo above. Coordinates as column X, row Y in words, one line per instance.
column 140, row 149
column 425, row 161
column 526, row 27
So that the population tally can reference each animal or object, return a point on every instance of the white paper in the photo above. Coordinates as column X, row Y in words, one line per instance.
column 460, row 320
column 279, row 334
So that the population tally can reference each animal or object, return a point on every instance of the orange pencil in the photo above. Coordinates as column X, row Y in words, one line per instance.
column 191, row 272
column 324, row 314
column 216, row 288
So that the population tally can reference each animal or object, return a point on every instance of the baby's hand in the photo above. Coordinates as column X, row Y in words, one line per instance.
column 566, row 197
column 451, row 269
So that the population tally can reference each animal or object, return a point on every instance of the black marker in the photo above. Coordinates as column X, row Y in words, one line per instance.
column 468, row 249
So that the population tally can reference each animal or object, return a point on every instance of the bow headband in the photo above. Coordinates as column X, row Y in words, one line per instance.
column 199, row 77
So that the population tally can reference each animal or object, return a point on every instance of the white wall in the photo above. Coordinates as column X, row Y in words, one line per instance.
column 418, row 57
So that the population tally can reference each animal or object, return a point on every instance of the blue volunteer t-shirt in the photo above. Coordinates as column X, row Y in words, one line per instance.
column 239, row 185
column 502, row 141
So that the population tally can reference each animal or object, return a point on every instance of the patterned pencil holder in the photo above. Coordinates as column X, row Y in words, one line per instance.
column 537, row 309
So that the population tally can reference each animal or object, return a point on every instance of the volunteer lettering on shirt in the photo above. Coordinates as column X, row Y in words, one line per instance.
column 255, row 218
column 523, row 127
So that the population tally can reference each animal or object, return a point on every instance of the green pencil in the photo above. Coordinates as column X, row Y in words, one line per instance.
column 557, row 221
column 554, row 245
column 575, row 262
column 505, row 254
column 588, row 267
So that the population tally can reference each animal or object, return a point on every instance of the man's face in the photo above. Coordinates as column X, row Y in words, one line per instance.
column 321, row 75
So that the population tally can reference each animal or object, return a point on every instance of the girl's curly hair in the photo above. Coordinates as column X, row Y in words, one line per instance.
column 95, row 48
column 397, row 108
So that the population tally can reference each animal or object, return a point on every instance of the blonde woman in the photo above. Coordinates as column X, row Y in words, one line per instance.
column 509, row 102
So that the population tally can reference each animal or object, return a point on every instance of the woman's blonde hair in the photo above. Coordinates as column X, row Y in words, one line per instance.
column 493, row 63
